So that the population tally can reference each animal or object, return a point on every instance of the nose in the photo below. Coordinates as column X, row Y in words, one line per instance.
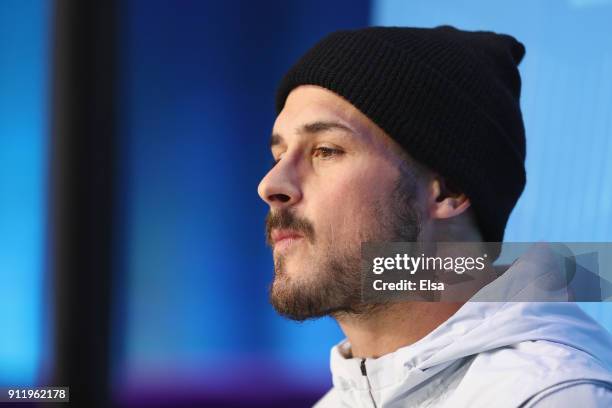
column 280, row 187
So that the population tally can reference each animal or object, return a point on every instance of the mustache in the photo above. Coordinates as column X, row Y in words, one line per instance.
column 285, row 219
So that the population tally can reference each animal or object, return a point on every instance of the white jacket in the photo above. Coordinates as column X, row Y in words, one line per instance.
column 488, row 354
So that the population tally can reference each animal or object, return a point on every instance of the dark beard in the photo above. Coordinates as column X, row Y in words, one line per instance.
column 335, row 290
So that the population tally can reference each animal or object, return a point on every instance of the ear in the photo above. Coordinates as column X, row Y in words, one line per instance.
column 444, row 202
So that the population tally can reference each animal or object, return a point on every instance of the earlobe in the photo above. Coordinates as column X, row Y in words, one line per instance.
column 445, row 203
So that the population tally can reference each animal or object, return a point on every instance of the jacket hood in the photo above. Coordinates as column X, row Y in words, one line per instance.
column 477, row 327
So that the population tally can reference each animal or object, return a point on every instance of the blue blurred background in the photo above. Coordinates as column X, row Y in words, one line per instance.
column 24, row 136
column 196, row 82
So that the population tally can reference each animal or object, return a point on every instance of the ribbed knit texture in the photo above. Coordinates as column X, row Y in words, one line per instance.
column 447, row 96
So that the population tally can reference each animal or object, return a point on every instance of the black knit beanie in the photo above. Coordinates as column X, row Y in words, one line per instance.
column 449, row 97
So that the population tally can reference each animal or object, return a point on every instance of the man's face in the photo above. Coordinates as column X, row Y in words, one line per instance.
column 338, row 181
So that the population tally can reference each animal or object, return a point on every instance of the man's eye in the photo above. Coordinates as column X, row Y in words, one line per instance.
column 326, row 152
column 274, row 162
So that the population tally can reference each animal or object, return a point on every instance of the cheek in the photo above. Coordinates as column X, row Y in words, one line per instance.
column 349, row 203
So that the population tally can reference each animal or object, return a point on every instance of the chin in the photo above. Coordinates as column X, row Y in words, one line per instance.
column 290, row 265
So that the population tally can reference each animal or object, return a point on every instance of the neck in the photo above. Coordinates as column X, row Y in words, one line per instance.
column 394, row 326
column 400, row 324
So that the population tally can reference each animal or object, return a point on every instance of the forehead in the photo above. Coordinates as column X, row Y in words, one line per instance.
column 311, row 103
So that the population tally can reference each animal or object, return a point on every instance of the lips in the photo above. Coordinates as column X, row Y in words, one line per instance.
column 283, row 240
column 284, row 234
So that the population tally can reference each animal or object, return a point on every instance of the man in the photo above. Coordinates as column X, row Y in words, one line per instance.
column 415, row 135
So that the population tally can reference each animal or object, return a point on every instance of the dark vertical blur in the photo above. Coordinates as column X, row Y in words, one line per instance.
column 83, row 127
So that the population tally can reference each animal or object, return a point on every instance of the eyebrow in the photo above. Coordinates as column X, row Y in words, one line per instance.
column 312, row 128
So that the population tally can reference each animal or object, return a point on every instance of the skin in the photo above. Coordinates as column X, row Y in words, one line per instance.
column 338, row 178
